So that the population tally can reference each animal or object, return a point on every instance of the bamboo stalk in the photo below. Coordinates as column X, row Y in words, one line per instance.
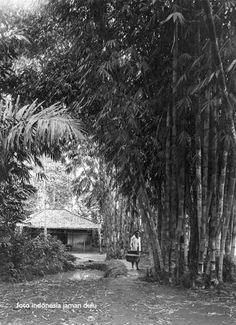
column 233, row 243
column 228, row 109
column 166, row 220
column 227, row 213
column 174, row 187
column 213, row 186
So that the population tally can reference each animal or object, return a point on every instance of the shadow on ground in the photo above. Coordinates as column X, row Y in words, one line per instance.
column 120, row 301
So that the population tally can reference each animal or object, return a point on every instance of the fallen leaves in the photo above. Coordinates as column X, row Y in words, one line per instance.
column 119, row 301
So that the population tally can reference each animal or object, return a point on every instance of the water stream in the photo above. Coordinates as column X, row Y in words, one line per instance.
column 77, row 275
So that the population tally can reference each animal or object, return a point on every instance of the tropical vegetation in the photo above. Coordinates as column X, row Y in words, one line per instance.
column 153, row 83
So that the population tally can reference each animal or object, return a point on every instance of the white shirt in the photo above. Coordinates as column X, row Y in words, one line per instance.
column 135, row 243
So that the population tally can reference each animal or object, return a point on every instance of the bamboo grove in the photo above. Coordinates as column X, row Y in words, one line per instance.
column 154, row 84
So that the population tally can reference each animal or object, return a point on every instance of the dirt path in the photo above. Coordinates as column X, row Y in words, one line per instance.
column 125, row 300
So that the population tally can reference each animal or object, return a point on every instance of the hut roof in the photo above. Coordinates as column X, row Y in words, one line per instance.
column 58, row 219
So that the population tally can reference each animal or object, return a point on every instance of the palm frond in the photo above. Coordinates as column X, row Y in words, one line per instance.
column 33, row 127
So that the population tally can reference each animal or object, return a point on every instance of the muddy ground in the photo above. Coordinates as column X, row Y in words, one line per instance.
column 125, row 300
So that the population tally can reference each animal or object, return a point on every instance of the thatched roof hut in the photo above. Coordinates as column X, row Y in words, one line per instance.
column 73, row 230
column 59, row 219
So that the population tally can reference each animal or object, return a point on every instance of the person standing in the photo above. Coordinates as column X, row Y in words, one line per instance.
column 135, row 247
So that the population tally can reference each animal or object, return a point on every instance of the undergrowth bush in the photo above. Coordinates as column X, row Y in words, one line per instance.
column 25, row 259
column 115, row 268
column 111, row 268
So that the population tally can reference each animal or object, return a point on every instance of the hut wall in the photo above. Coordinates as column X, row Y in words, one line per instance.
column 79, row 239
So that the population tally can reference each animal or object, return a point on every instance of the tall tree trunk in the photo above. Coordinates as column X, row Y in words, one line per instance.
column 186, row 244
column 152, row 235
column 199, row 174
column 180, row 224
column 221, row 186
column 174, row 193
column 201, row 234
column 227, row 214
column 149, row 217
column 233, row 242
column 213, row 220
column 191, row 199
column 229, row 234
column 221, row 193
column 205, row 161
column 166, row 220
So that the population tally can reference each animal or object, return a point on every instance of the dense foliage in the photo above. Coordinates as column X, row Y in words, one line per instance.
column 154, row 83
column 25, row 258
column 26, row 133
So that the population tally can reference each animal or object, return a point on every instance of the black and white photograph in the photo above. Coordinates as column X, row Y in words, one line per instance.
column 117, row 162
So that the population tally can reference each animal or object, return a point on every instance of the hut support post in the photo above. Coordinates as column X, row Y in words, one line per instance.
column 45, row 224
column 100, row 240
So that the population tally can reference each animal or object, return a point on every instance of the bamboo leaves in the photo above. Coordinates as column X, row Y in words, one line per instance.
column 153, row 83
column 176, row 16
column 231, row 67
